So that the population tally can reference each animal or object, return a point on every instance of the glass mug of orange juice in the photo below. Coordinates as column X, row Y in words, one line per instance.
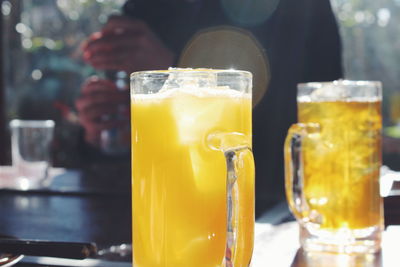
column 192, row 168
column 332, row 165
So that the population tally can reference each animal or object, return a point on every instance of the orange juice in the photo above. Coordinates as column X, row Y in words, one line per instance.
column 342, row 163
column 179, row 181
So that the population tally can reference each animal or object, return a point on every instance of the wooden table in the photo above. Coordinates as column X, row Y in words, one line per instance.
column 85, row 206
column 278, row 246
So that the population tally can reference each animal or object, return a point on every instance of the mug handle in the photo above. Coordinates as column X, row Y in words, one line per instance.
column 235, row 148
column 294, row 169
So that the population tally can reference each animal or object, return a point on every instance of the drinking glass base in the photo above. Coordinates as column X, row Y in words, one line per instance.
column 343, row 241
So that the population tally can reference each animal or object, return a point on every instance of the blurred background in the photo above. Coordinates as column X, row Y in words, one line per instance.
column 42, row 63
column 43, row 69
column 371, row 46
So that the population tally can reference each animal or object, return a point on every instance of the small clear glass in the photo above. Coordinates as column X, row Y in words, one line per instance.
column 30, row 148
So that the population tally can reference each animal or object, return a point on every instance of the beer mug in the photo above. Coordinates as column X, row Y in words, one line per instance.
column 192, row 168
column 332, row 165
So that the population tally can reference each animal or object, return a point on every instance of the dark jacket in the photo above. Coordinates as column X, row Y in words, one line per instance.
column 302, row 43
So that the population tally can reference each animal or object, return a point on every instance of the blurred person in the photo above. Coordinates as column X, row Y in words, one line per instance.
column 391, row 152
column 123, row 44
column 299, row 37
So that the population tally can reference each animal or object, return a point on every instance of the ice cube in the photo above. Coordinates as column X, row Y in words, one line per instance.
column 330, row 92
column 189, row 78
column 195, row 115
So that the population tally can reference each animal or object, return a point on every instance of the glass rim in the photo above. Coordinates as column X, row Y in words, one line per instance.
column 32, row 123
column 345, row 83
column 197, row 71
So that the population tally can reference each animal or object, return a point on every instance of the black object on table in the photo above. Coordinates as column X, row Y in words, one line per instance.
column 70, row 250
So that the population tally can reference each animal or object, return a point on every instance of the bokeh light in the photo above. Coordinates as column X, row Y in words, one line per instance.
column 37, row 74
column 249, row 13
column 383, row 15
column 6, row 8
column 229, row 48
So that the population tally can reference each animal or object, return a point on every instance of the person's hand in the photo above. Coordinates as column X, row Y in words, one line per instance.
column 101, row 106
column 126, row 44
